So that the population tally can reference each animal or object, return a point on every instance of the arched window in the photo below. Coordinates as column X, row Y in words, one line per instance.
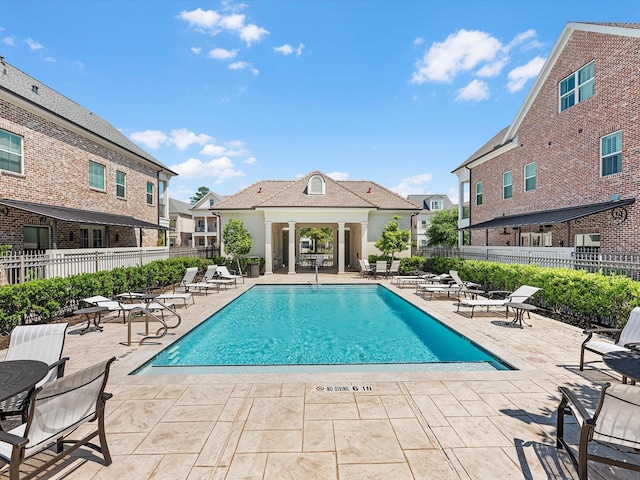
column 316, row 185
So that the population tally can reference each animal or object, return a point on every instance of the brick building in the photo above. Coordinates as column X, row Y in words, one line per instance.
column 565, row 173
column 68, row 178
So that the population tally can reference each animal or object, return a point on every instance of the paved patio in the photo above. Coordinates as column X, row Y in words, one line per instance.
column 409, row 425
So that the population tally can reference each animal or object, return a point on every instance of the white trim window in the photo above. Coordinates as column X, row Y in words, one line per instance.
column 10, row 152
column 507, row 184
column 478, row 193
column 611, row 154
column 316, row 185
column 96, row 175
column 423, row 224
column 121, row 184
column 578, row 86
column 149, row 193
column 437, row 204
column 530, row 177
column 92, row 237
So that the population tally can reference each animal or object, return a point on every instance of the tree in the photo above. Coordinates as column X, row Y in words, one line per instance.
column 202, row 191
column 443, row 229
column 237, row 240
column 393, row 238
column 318, row 235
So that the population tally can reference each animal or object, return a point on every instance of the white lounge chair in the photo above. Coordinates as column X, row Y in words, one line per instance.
column 521, row 295
column 211, row 276
column 223, row 272
column 124, row 308
column 35, row 342
column 55, row 411
column 430, row 289
column 403, row 280
column 189, row 277
column 610, row 434
column 394, row 269
column 365, row 268
column 627, row 338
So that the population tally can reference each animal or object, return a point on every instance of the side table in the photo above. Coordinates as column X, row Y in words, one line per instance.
column 519, row 309
column 91, row 313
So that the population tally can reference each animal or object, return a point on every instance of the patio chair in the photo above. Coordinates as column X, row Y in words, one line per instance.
column 467, row 287
column 55, row 411
column 442, row 288
column 610, row 434
column 189, row 277
column 223, row 272
column 381, row 269
column 394, row 269
column 365, row 269
column 521, row 295
column 626, row 338
column 35, row 342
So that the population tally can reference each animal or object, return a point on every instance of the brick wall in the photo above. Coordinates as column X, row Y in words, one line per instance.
column 566, row 146
column 56, row 169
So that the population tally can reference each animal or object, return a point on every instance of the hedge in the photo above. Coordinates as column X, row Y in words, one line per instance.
column 44, row 300
column 584, row 297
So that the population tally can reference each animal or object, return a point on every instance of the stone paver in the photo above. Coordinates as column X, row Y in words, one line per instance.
column 410, row 425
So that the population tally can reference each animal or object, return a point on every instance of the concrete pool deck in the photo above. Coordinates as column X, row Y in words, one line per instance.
column 396, row 425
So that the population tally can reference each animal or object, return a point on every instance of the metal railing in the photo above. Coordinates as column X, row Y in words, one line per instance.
column 591, row 261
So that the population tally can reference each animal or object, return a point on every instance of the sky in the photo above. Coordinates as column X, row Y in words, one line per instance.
column 229, row 93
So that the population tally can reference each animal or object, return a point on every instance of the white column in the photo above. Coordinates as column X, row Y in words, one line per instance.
column 461, row 208
column 292, row 248
column 341, row 248
column 364, row 244
column 268, row 249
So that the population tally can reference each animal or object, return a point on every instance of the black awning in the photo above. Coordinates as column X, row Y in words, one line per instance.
column 79, row 216
column 549, row 217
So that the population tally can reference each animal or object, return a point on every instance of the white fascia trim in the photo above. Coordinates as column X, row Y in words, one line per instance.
column 565, row 35
column 485, row 158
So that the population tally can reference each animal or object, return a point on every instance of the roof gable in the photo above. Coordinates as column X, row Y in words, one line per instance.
column 338, row 194
column 204, row 202
column 35, row 92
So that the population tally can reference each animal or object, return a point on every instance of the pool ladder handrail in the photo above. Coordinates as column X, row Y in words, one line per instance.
column 148, row 313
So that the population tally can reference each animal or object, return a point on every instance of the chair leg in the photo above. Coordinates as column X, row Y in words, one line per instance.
column 581, row 358
column 103, row 439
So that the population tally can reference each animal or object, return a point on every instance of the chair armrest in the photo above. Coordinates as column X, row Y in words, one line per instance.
column 12, row 439
column 632, row 346
column 603, row 329
column 494, row 293
column 582, row 411
column 60, row 364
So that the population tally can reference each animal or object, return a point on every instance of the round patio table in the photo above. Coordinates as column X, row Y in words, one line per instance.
column 18, row 376
column 625, row 363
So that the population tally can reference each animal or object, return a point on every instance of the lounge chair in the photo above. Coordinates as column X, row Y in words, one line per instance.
column 418, row 279
column 35, row 342
column 610, row 434
column 189, row 277
column 124, row 308
column 224, row 273
column 430, row 289
column 521, row 295
column 467, row 287
column 626, row 339
column 211, row 276
column 55, row 411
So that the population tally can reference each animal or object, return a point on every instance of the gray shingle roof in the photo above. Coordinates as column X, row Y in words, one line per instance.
column 339, row 194
column 33, row 91
column 179, row 206
column 492, row 144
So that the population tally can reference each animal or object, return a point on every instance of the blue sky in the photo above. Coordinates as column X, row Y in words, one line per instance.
column 229, row 93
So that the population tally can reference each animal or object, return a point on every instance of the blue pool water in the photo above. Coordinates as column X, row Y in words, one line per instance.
column 273, row 326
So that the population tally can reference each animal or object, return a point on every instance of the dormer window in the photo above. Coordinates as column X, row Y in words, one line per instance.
column 316, row 185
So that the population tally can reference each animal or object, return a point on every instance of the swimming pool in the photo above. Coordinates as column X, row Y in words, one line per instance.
column 278, row 328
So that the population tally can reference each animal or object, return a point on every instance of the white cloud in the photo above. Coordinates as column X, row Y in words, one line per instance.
column 9, row 41
column 214, row 150
column 203, row 19
column 476, row 91
column 50, row 59
column 301, row 46
column 150, row 138
column 219, row 169
column 244, row 66
column 222, row 54
column 182, row 138
column 33, row 45
column 494, row 68
column 338, row 175
column 418, row 41
column 413, row 185
column 250, row 161
column 212, row 23
column 522, row 37
column 460, row 52
column 285, row 49
column 196, row 50
column 520, row 75
column 252, row 33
